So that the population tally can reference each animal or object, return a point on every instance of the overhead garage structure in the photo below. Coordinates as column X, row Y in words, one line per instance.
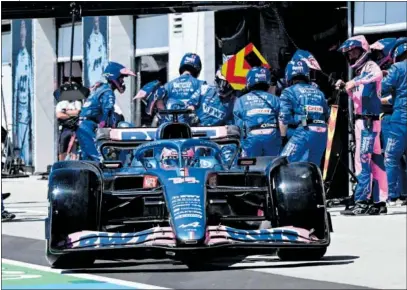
column 216, row 28
column 17, row 10
column 210, row 28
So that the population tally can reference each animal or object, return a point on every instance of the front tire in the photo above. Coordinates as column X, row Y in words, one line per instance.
column 300, row 201
column 68, row 261
column 74, row 192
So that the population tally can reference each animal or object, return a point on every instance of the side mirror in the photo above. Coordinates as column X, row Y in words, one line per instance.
column 112, row 164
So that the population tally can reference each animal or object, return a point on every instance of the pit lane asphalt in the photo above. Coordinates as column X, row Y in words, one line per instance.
column 351, row 262
column 170, row 274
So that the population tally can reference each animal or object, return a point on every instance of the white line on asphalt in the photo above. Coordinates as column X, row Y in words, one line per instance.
column 135, row 285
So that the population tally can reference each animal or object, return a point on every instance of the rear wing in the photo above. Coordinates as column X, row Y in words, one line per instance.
column 126, row 136
column 216, row 133
column 131, row 138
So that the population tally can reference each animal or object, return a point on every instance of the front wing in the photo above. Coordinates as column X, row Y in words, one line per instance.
column 216, row 237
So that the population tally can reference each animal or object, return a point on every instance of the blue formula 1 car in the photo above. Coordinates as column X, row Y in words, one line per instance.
column 167, row 192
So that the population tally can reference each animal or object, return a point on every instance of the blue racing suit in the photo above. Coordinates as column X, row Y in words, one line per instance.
column 292, row 124
column 305, row 105
column 178, row 93
column 213, row 110
column 99, row 107
column 387, row 110
column 256, row 113
column 396, row 82
column 210, row 108
column 384, row 136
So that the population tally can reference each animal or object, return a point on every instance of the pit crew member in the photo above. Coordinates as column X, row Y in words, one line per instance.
column 364, row 91
column 397, row 143
column 214, row 107
column 67, row 113
column 214, row 104
column 382, row 55
column 304, row 105
column 256, row 113
column 179, row 91
column 99, row 107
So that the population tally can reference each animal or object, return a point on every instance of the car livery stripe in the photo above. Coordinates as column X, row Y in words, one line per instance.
column 164, row 236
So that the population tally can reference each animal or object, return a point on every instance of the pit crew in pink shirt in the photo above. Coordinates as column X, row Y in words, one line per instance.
column 365, row 92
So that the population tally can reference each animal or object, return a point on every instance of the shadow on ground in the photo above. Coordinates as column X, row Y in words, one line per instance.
column 216, row 265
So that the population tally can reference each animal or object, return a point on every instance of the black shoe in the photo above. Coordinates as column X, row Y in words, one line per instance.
column 5, row 195
column 360, row 208
column 349, row 202
column 6, row 216
column 378, row 208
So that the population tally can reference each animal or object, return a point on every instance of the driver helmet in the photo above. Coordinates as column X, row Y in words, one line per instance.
column 169, row 157
column 357, row 50
column 115, row 74
column 222, row 85
column 381, row 51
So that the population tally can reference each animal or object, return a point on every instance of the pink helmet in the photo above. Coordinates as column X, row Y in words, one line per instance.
column 358, row 41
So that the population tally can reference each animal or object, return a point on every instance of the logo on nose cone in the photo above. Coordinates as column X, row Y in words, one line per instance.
column 191, row 225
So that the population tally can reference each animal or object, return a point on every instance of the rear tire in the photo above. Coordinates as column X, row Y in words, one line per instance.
column 301, row 254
